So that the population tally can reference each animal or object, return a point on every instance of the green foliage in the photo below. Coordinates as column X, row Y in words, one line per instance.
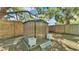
column 59, row 18
column 61, row 15
column 50, row 12
column 68, row 13
column 76, row 11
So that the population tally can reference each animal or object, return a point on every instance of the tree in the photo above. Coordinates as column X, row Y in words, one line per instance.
column 49, row 13
column 68, row 14
column 3, row 11
column 63, row 15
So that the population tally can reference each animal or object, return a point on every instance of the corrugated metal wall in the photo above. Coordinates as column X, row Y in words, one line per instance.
column 41, row 29
column 35, row 29
column 29, row 29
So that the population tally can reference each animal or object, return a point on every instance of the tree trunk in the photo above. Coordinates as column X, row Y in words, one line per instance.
column 67, row 21
column 3, row 11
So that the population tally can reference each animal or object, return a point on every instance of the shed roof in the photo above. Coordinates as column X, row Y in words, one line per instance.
column 36, row 21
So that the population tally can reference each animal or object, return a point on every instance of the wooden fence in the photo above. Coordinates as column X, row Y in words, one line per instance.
column 10, row 29
column 67, row 29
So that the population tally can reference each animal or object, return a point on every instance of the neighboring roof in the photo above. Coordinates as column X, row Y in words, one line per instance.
column 36, row 21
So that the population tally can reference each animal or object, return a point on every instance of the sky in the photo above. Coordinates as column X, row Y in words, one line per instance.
column 51, row 21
